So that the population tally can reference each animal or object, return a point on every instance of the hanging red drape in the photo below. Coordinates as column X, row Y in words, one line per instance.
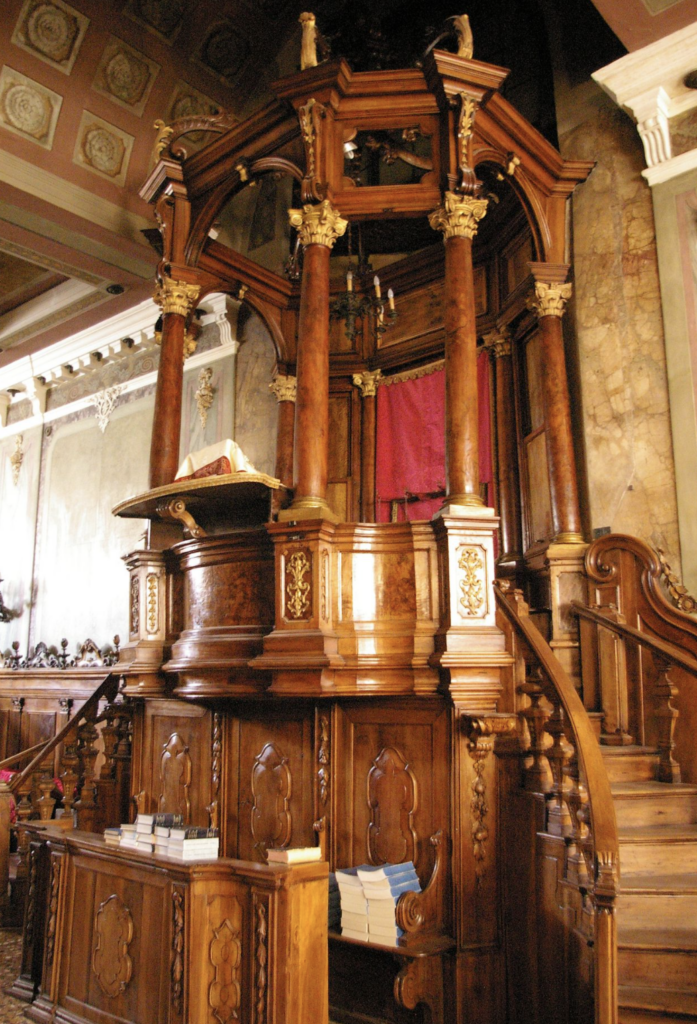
column 410, row 456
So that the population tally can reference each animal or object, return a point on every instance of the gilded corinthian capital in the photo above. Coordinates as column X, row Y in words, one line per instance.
column 459, row 216
column 176, row 296
column 318, row 224
column 368, row 382
column 549, row 299
column 284, row 388
column 498, row 343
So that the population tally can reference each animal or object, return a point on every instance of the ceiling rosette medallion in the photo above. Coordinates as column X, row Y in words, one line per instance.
column 52, row 31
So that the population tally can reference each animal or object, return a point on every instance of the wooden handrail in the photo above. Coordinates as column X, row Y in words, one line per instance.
column 601, row 805
column 674, row 654
column 8, row 761
column 107, row 688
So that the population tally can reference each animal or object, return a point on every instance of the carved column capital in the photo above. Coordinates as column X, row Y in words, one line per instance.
column 459, row 216
column 498, row 343
column 368, row 382
column 284, row 388
column 176, row 296
column 549, row 299
column 319, row 224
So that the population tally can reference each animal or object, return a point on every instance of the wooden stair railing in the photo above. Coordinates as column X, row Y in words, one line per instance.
column 639, row 655
column 102, row 800
column 563, row 762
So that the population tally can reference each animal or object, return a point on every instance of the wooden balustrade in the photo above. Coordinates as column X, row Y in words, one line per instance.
column 571, row 812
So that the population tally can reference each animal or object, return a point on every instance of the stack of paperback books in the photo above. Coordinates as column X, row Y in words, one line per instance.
column 369, row 898
column 334, row 921
column 166, row 835
column 193, row 843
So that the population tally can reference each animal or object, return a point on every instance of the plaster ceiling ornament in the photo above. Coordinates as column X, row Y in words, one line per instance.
column 105, row 403
column 189, row 102
column 223, row 51
column 17, row 458
column 103, row 148
column 161, row 16
column 125, row 75
column 52, row 31
column 28, row 108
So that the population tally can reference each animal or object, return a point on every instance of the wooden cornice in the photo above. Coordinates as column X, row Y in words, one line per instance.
column 448, row 75
column 232, row 268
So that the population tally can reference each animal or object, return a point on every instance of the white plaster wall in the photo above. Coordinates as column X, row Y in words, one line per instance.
column 256, row 409
column 17, row 517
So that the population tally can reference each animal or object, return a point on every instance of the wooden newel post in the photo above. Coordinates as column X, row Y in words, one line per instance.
column 458, row 218
column 285, row 389
column 318, row 227
column 549, row 302
column 176, row 299
column 498, row 344
column 368, row 382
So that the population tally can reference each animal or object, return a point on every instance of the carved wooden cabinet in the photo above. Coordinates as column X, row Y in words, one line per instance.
column 129, row 937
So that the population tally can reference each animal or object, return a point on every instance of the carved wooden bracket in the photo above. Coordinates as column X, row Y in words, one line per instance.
column 176, row 511
column 417, row 911
column 420, row 982
column 482, row 732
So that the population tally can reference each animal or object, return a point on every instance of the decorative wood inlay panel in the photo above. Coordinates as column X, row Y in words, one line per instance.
column 152, row 608
column 113, row 929
column 225, row 955
column 298, row 585
column 260, row 960
column 54, row 897
column 175, row 774
column 216, row 750
column 392, row 795
column 323, row 757
column 472, row 584
column 271, row 789
column 177, row 971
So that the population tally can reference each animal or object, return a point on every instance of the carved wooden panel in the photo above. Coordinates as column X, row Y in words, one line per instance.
column 113, row 930
column 392, row 802
column 225, row 955
column 271, row 789
column 270, row 781
column 297, row 586
column 175, row 776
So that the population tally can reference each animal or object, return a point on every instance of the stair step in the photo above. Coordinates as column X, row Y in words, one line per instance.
column 666, row 1001
column 666, row 849
column 636, row 1016
column 630, row 764
column 649, row 900
column 654, row 803
column 665, row 960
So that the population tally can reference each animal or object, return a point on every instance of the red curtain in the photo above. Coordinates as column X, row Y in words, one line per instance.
column 410, row 457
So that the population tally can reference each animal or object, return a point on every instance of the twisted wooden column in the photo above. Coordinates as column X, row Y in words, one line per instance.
column 368, row 382
column 176, row 299
column 318, row 227
column 549, row 302
column 458, row 219
column 499, row 345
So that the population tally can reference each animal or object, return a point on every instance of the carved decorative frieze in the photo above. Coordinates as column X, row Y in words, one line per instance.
column 152, row 598
column 392, row 794
column 323, row 759
column 105, row 403
column 284, row 388
column 367, row 382
column 550, row 299
column 175, row 777
column 17, row 458
column 176, row 296
column 482, row 736
column 204, row 394
column 125, row 75
column 113, row 930
column 473, row 581
column 459, row 216
column 271, row 790
column 216, row 754
column 318, row 225
column 135, row 605
column 261, row 956
column 28, row 108
column 52, row 31
column 225, row 955
column 103, row 148
column 298, row 575
column 177, row 969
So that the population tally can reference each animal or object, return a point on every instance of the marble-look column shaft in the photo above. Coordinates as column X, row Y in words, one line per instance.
column 318, row 227
column 175, row 299
column 499, row 345
column 458, row 219
column 548, row 302
column 285, row 389
column 367, row 382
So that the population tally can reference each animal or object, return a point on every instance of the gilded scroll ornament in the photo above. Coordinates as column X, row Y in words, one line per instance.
column 176, row 296
column 368, row 382
column 204, row 394
column 678, row 592
column 320, row 224
column 549, row 299
column 472, row 582
column 177, row 969
column 113, row 929
column 152, row 602
column 225, row 955
column 17, row 458
column 135, row 605
column 297, row 586
column 465, row 128
column 459, row 216
column 309, row 117
column 284, row 388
